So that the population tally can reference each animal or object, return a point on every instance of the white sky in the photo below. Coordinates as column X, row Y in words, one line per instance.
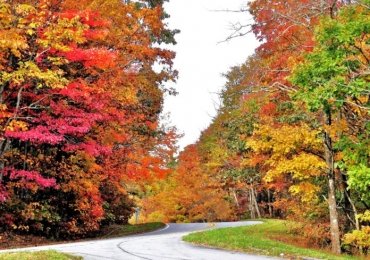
column 200, row 59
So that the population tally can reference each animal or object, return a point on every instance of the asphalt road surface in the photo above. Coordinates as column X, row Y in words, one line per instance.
column 164, row 244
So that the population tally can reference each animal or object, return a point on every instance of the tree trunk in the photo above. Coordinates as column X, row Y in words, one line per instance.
column 4, row 147
column 251, row 208
column 334, row 225
column 254, row 202
column 236, row 198
column 348, row 206
column 333, row 213
column 269, row 201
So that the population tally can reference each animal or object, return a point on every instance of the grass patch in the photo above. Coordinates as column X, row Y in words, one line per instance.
column 41, row 255
column 258, row 239
column 125, row 230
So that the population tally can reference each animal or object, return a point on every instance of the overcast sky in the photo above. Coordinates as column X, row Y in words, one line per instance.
column 201, row 59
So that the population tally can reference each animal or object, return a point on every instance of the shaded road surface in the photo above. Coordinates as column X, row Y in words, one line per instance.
column 164, row 244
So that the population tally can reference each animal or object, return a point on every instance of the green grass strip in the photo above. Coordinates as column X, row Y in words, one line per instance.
column 257, row 239
column 40, row 255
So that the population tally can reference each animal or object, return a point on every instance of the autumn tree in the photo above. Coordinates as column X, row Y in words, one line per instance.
column 287, row 31
column 272, row 124
column 58, row 143
column 333, row 79
column 189, row 194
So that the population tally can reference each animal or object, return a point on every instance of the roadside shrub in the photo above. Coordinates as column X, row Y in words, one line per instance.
column 359, row 240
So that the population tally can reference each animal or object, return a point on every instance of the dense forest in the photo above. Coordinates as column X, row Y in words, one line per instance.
column 80, row 104
column 291, row 138
column 82, row 143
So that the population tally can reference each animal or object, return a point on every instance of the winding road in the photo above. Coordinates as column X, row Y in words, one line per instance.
column 164, row 244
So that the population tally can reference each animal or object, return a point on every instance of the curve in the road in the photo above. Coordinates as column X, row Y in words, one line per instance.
column 167, row 244
column 157, row 245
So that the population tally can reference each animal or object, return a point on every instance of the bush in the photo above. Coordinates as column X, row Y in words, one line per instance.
column 359, row 240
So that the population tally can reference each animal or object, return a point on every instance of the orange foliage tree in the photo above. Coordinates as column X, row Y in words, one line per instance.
column 188, row 194
column 78, row 97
